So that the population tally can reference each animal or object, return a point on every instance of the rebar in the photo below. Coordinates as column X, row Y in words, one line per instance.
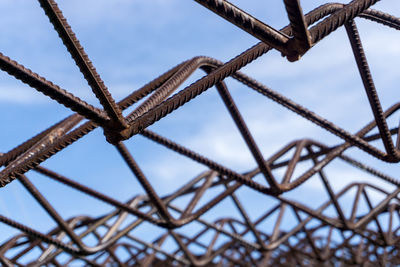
column 345, row 227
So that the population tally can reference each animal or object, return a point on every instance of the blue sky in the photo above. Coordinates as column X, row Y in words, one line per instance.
column 132, row 42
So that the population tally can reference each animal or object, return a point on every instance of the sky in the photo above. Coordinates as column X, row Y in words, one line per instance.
column 133, row 42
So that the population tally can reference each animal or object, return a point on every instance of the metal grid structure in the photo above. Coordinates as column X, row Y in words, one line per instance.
column 315, row 236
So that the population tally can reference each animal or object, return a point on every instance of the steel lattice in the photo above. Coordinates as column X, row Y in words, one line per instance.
column 315, row 236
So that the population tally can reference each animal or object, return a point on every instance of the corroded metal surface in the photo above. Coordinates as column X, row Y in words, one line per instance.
column 314, row 236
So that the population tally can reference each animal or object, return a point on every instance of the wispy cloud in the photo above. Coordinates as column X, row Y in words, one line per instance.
column 20, row 95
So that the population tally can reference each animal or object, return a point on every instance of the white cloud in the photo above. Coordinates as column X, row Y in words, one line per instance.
column 20, row 95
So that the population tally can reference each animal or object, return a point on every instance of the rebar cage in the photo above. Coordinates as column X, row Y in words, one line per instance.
column 355, row 225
